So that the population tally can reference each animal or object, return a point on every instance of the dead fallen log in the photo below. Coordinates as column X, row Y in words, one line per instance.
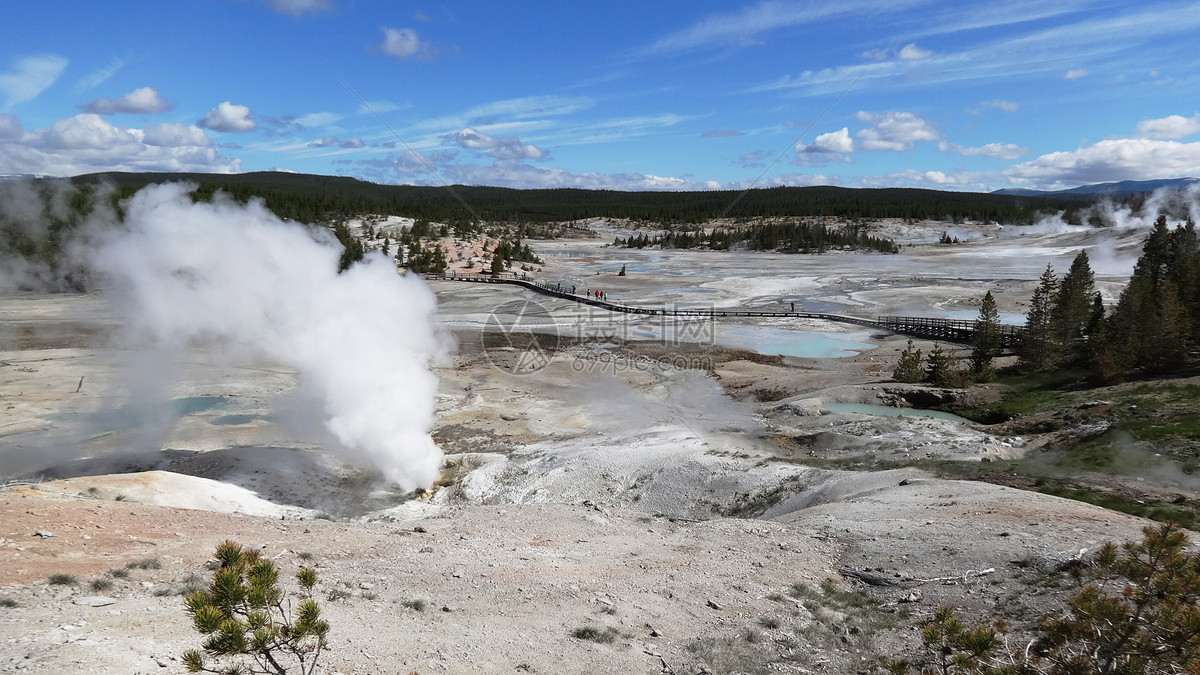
column 961, row 577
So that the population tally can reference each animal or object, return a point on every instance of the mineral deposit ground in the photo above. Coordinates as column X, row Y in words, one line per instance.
column 619, row 494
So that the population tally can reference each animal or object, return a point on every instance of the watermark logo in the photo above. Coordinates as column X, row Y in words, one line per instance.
column 615, row 363
column 520, row 337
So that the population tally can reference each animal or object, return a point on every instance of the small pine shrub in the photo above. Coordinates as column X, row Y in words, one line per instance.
column 1139, row 614
column 244, row 615
column 909, row 368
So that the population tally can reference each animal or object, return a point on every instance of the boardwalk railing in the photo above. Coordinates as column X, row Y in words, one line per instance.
column 949, row 330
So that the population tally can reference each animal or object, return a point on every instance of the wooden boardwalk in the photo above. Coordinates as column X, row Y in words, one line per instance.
column 948, row 330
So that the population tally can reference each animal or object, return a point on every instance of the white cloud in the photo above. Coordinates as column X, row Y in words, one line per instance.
column 834, row 141
column 1119, row 40
column 235, row 119
column 86, row 132
column 487, row 114
column 291, row 123
column 404, row 43
column 88, row 143
column 501, row 148
column 912, row 52
column 1006, row 106
column 994, row 150
column 1109, row 160
column 745, row 27
column 721, row 133
column 317, row 119
column 505, row 173
column 1075, row 73
column 1169, row 128
column 756, row 158
column 175, row 135
column 10, row 127
column 622, row 128
column 330, row 141
column 510, row 174
column 938, row 180
column 530, row 106
column 143, row 101
column 380, row 107
column 300, row 7
column 894, row 131
column 100, row 75
column 29, row 77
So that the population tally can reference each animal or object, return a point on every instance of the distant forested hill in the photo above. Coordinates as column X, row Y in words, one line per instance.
column 309, row 198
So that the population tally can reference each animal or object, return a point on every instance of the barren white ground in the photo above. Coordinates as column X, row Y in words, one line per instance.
column 594, row 492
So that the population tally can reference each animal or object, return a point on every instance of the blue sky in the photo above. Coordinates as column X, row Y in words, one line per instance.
column 620, row 95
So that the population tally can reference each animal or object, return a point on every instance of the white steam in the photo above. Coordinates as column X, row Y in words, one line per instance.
column 237, row 277
column 1178, row 204
column 1113, row 233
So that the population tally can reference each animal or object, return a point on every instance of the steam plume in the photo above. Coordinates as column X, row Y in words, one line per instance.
column 236, row 276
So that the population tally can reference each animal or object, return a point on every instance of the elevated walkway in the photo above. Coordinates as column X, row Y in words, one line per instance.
column 948, row 330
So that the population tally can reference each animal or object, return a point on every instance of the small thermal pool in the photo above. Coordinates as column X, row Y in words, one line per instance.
column 784, row 342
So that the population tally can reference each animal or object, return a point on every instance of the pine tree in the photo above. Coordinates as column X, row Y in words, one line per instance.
column 987, row 338
column 1037, row 349
column 937, row 369
column 245, row 615
column 1154, row 321
column 909, row 368
column 1072, row 310
column 352, row 248
column 1168, row 340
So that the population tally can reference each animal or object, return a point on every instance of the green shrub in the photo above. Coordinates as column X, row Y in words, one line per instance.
column 1140, row 613
column 63, row 580
column 243, row 615
column 594, row 634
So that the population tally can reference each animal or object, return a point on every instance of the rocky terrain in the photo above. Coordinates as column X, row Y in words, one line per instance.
column 660, row 498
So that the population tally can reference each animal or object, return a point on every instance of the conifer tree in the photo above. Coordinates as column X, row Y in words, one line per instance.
column 909, row 367
column 1155, row 319
column 987, row 339
column 937, row 369
column 248, row 622
column 1072, row 310
column 1037, row 348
